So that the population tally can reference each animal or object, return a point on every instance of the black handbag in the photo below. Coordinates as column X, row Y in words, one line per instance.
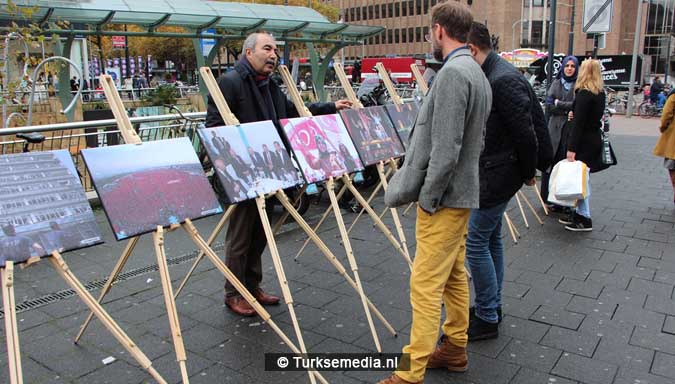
column 608, row 158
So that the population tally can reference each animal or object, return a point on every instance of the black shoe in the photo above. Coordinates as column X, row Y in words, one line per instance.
column 555, row 208
column 472, row 314
column 580, row 224
column 567, row 219
column 482, row 330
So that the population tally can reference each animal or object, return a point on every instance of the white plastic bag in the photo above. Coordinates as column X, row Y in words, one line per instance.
column 570, row 180
column 551, row 187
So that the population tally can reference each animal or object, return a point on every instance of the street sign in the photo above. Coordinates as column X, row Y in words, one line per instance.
column 119, row 42
column 208, row 44
column 598, row 16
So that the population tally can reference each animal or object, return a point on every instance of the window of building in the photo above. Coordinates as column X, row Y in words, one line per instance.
column 411, row 36
column 411, row 7
column 537, row 3
column 350, row 16
column 397, row 9
column 370, row 12
column 377, row 11
column 418, row 34
column 404, row 9
column 358, row 13
column 537, row 34
column 390, row 36
column 419, row 7
column 526, row 3
column 404, row 35
column 397, row 37
column 426, row 6
column 390, row 6
column 364, row 13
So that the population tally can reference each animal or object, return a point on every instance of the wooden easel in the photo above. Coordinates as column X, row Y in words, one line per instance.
column 11, row 328
column 158, row 238
column 403, row 246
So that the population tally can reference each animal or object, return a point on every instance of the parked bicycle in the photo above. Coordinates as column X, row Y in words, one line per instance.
column 648, row 110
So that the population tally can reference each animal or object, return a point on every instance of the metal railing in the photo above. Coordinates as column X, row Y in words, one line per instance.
column 89, row 134
column 42, row 94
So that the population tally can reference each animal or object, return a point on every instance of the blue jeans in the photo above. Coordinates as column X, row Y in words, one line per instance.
column 485, row 253
column 584, row 206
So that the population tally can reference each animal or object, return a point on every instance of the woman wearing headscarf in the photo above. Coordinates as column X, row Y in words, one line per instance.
column 585, row 138
column 559, row 101
column 665, row 147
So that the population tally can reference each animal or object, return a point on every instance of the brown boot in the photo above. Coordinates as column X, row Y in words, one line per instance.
column 393, row 379
column 264, row 298
column 449, row 356
column 240, row 306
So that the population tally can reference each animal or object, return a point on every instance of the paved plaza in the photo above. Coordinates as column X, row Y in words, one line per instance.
column 594, row 308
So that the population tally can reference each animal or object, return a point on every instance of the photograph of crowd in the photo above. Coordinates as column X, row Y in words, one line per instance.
column 249, row 159
column 43, row 207
column 403, row 117
column 322, row 146
column 155, row 183
column 373, row 134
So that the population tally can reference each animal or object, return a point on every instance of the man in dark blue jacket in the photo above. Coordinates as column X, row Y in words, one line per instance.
column 252, row 96
column 509, row 159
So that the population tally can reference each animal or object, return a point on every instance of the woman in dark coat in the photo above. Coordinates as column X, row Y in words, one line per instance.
column 559, row 101
column 585, row 141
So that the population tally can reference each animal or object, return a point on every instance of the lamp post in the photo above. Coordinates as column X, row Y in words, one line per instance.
column 513, row 33
column 633, row 65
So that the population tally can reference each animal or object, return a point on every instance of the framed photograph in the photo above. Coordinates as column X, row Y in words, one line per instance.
column 249, row 159
column 373, row 134
column 43, row 207
column 403, row 117
column 154, row 183
column 323, row 147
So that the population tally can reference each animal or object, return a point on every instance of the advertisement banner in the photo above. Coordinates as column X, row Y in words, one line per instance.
column 615, row 69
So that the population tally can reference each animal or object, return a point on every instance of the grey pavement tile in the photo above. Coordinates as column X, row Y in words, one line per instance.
column 664, row 277
column 531, row 262
column 558, row 317
column 513, row 289
column 491, row 347
column 522, row 329
column 315, row 297
column 118, row 372
column 661, row 305
column 651, row 339
column 591, row 307
column 483, row 370
column 531, row 355
column 650, row 288
column 588, row 289
column 219, row 373
column 169, row 368
column 631, row 376
column 518, row 307
column 547, row 296
column 580, row 343
column 610, row 329
column 624, row 355
column 203, row 337
column 620, row 296
column 529, row 376
column 620, row 258
column 639, row 317
column 664, row 365
column 669, row 325
column 543, row 280
column 342, row 329
column 577, row 271
column 585, row 370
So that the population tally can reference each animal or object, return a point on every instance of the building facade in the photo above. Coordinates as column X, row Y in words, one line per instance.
column 516, row 24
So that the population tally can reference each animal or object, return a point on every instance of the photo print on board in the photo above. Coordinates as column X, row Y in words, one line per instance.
column 155, row 183
column 403, row 116
column 43, row 207
column 323, row 147
column 250, row 160
column 373, row 134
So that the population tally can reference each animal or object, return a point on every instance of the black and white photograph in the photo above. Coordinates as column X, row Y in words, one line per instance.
column 43, row 207
column 155, row 183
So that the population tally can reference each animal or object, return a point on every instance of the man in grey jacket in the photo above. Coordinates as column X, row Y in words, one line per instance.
column 441, row 173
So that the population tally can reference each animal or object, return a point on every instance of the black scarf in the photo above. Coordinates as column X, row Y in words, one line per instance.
column 263, row 90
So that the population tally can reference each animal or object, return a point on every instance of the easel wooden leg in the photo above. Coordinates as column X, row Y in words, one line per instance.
column 260, row 310
column 408, row 208
column 522, row 213
column 323, row 218
column 11, row 328
column 394, row 211
column 330, row 185
column 181, row 357
column 370, row 198
column 62, row 268
column 377, row 220
column 281, row 275
column 128, row 250
column 214, row 234
column 330, row 256
column 541, row 201
column 512, row 229
column 284, row 216
column 527, row 201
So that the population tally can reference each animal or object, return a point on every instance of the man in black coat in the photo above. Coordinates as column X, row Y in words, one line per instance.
column 253, row 97
column 509, row 159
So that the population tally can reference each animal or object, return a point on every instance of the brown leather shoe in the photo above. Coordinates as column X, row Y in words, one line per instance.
column 264, row 298
column 450, row 356
column 240, row 306
column 393, row 379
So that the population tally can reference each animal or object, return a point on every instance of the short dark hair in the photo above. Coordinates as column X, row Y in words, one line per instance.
column 480, row 36
column 455, row 18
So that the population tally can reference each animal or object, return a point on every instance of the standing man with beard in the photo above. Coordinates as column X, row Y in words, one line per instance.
column 441, row 173
column 509, row 159
column 253, row 97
